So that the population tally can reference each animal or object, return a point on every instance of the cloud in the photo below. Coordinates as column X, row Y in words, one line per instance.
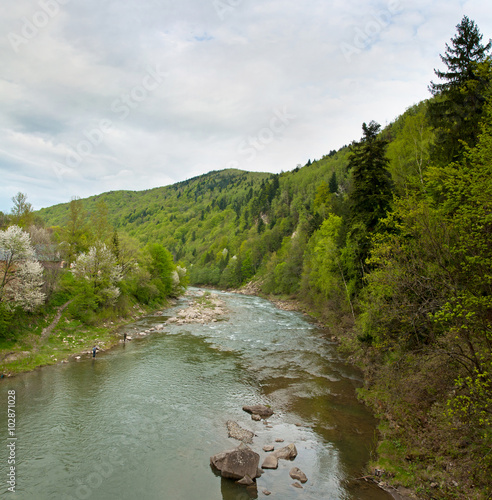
column 98, row 96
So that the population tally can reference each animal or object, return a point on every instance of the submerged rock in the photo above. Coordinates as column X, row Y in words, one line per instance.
column 237, row 432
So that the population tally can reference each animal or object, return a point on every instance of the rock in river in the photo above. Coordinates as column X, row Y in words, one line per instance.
column 287, row 452
column 296, row 473
column 261, row 410
column 270, row 462
column 237, row 463
column 237, row 432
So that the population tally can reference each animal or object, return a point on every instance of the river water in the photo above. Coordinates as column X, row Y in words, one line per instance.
column 142, row 420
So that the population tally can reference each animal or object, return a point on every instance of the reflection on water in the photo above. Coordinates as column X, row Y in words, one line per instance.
column 142, row 420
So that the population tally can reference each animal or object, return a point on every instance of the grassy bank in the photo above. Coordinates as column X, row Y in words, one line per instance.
column 46, row 340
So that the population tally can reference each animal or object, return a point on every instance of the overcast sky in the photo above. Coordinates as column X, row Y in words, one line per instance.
column 101, row 95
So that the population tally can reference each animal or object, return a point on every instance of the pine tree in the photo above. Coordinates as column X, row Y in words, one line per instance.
column 369, row 198
column 371, row 192
column 455, row 113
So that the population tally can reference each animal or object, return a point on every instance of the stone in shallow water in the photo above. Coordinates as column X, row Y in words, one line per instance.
column 237, row 432
column 270, row 462
column 296, row 473
column 268, row 447
column 287, row 452
column 261, row 410
column 246, row 480
column 237, row 463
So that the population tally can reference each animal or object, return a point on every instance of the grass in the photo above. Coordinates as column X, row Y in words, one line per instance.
column 69, row 337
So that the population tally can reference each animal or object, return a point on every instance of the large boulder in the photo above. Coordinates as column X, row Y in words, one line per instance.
column 237, row 432
column 287, row 452
column 237, row 463
column 261, row 410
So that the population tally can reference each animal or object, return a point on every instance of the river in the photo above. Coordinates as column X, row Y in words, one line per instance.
column 141, row 421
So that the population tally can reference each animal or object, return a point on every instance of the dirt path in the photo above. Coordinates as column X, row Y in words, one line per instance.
column 47, row 331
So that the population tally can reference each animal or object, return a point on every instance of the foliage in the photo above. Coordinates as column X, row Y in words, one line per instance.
column 457, row 109
column 20, row 272
column 97, row 275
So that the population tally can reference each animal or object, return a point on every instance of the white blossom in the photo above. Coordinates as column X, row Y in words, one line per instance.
column 21, row 275
column 99, row 266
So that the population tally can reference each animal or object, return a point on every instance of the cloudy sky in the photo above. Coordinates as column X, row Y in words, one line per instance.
column 101, row 95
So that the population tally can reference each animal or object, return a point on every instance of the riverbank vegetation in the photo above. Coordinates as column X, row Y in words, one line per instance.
column 387, row 241
column 65, row 289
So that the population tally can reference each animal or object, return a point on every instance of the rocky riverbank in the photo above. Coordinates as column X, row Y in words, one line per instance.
column 205, row 307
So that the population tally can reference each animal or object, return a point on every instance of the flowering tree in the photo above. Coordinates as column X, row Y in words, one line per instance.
column 21, row 275
column 99, row 271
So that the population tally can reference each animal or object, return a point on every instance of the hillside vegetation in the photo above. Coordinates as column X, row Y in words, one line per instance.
column 387, row 241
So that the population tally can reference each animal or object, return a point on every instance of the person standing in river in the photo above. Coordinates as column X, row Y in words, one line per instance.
column 94, row 349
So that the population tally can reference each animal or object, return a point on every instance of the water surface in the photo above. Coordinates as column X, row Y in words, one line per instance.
column 142, row 420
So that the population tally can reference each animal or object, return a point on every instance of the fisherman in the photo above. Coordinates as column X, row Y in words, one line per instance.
column 94, row 349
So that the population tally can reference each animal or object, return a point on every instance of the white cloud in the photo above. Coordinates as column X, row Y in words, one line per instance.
column 81, row 115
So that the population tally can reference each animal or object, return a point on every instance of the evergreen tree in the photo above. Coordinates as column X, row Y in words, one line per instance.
column 371, row 192
column 369, row 198
column 455, row 113
column 333, row 184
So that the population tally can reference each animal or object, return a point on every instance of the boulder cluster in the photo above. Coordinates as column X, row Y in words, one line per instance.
column 242, row 463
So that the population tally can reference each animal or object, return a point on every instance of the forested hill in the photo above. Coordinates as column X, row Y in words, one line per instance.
column 209, row 219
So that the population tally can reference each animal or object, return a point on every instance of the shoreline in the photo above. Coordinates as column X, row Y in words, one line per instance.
column 397, row 492
column 38, row 354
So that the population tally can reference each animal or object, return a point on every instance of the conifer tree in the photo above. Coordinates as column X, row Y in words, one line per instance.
column 371, row 192
column 370, row 196
column 455, row 113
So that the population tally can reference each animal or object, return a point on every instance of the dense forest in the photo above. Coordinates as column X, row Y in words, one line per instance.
column 386, row 241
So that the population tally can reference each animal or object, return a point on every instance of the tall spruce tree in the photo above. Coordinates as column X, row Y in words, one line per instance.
column 456, row 110
column 371, row 191
column 370, row 195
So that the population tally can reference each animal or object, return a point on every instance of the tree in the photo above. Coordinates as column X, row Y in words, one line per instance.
column 22, row 212
column 333, row 185
column 456, row 110
column 75, row 235
column 160, row 265
column 371, row 192
column 370, row 195
column 462, row 58
column 21, row 275
column 98, row 275
column 101, row 228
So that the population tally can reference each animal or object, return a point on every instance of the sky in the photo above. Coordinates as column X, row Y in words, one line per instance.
column 103, row 95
